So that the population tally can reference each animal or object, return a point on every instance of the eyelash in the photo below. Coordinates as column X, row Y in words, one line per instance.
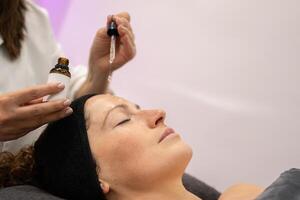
column 122, row 122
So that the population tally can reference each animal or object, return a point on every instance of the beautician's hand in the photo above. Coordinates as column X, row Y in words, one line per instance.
column 99, row 54
column 24, row 111
column 125, row 46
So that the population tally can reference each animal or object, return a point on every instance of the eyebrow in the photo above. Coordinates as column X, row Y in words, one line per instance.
column 118, row 106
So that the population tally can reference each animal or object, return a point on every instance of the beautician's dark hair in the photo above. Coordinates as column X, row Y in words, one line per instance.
column 12, row 26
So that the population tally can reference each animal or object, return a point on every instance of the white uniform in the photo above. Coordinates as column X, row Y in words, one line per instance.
column 38, row 55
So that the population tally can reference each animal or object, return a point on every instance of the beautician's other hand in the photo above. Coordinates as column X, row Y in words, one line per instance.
column 99, row 53
column 23, row 111
column 125, row 46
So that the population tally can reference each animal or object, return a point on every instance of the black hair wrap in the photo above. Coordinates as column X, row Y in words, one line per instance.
column 64, row 165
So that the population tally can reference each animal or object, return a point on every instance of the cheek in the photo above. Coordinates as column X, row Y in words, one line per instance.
column 127, row 147
column 120, row 150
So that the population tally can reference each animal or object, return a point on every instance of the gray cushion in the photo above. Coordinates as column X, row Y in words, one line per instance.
column 25, row 192
column 199, row 188
column 286, row 187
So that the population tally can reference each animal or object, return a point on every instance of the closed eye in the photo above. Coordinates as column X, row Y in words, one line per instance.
column 122, row 122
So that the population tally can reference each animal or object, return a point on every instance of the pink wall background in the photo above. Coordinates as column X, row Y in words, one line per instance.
column 226, row 72
column 57, row 10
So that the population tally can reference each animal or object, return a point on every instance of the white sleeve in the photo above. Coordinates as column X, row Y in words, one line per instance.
column 78, row 76
column 54, row 49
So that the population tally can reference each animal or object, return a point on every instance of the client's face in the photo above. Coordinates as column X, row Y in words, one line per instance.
column 131, row 146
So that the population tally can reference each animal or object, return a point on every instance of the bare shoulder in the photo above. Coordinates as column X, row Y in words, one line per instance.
column 241, row 191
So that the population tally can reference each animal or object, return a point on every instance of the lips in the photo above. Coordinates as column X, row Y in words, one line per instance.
column 165, row 134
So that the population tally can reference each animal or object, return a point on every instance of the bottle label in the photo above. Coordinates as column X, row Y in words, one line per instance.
column 58, row 78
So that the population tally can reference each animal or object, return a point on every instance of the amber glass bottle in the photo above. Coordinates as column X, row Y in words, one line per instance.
column 60, row 73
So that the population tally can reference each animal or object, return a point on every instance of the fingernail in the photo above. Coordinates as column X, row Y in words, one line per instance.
column 61, row 85
column 67, row 102
column 69, row 111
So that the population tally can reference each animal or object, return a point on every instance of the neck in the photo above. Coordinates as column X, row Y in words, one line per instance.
column 174, row 190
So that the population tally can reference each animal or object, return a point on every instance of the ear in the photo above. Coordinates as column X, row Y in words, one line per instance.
column 104, row 186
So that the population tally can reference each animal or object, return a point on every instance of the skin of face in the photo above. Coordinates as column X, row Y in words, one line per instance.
column 124, row 141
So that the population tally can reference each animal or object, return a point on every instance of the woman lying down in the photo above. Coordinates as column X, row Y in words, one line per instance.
column 111, row 149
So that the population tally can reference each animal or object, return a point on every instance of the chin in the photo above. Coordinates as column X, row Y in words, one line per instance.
column 182, row 155
column 188, row 153
column 168, row 164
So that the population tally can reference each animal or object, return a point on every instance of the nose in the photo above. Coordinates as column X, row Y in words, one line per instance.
column 154, row 118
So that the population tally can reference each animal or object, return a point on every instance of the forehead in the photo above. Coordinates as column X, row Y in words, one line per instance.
column 99, row 105
column 104, row 101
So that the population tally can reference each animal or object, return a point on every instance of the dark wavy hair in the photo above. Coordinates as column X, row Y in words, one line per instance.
column 12, row 26
column 16, row 169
